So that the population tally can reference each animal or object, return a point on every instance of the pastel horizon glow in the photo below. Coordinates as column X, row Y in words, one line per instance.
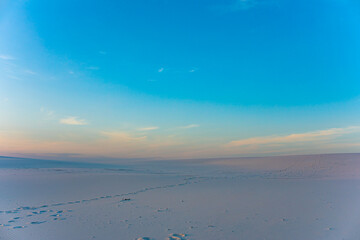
column 179, row 79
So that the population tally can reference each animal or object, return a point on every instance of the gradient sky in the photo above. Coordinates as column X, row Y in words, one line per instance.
column 179, row 79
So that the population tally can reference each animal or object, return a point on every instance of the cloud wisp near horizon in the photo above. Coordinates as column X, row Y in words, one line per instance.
column 315, row 136
column 133, row 144
column 180, row 79
column 73, row 121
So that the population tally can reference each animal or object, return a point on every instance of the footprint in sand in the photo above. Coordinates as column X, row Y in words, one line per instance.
column 176, row 236
column 37, row 222
column 17, row 227
column 163, row 210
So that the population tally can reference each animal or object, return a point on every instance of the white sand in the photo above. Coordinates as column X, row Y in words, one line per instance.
column 303, row 197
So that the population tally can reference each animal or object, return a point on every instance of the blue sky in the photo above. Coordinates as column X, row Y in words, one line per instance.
column 179, row 79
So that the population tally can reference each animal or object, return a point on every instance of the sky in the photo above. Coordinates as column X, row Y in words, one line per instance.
column 171, row 79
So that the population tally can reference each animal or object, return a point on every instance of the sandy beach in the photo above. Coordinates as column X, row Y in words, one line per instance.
column 185, row 200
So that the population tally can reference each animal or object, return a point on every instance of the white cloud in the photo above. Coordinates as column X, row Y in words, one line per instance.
column 73, row 121
column 148, row 128
column 161, row 70
column 296, row 137
column 194, row 69
column 6, row 57
column 190, row 126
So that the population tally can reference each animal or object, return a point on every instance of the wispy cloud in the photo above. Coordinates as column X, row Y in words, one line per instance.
column 104, row 143
column 93, row 68
column 7, row 57
column 239, row 5
column 14, row 77
column 190, row 126
column 73, row 121
column 296, row 137
column 30, row 72
column 161, row 70
column 193, row 69
column 48, row 113
column 123, row 137
column 148, row 128
column 244, row 4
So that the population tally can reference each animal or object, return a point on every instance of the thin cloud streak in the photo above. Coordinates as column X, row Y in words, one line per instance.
column 136, row 144
column 148, row 128
column 49, row 114
column 93, row 68
column 123, row 137
column 73, row 121
column 190, row 126
column 7, row 57
column 296, row 137
column 244, row 4
column 30, row 72
column 240, row 5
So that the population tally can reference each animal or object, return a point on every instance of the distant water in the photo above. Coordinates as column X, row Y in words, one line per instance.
column 14, row 162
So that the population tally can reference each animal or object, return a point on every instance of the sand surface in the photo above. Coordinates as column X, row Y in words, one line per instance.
column 303, row 197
